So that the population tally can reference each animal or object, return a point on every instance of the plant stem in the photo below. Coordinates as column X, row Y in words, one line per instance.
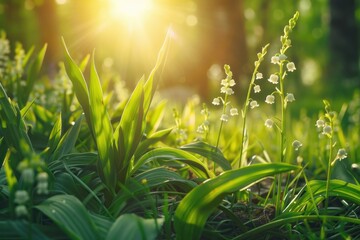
column 246, row 104
column 323, row 233
column 282, row 136
column 221, row 125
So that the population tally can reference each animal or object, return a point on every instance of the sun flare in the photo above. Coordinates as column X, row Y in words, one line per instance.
column 130, row 10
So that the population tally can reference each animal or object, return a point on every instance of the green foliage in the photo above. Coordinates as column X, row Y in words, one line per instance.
column 197, row 205
column 136, row 228
column 128, row 172
column 117, row 147
column 70, row 215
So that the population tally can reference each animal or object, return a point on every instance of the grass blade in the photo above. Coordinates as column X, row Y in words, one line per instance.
column 276, row 224
column 55, row 135
column 196, row 207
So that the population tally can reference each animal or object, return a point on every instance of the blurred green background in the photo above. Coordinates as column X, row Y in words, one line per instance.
column 206, row 35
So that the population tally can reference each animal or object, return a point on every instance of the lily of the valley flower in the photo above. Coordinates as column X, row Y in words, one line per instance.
column 269, row 123
column 270, row 99
column 296, row 144
column 341, row 154
column 253, row 104
column 259, row 75
column 291, row 66
column 234, row 111
column 216, row 101
column 289, row 97
column 274, row 79
column 257, row 88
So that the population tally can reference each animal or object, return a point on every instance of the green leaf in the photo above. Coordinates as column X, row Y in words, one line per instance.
column 337, row 188
column 152, row 81
column 154, row 117
column 55, row 135
column 197, row 205
column 152, row 139
column 21, row 230
column 209, row 152
column 138, row 186
column 67, row 142
column 79, row 84
column 74, row 160
column 155, row 177
column 101, row 128
column 32, row 76
column 131, row 226
column 128, row 134
column 13, row 129
column 10, row 176
column 173, row 154
column 275, row 225
column 70, row 215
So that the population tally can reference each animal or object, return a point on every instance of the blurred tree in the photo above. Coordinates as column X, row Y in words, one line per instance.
column 12, row 16
column 222, row 39
column 49, row 32
column 344, row 60
column 217, row 38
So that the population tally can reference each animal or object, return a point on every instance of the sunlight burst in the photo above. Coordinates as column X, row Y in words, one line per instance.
column 130, row 10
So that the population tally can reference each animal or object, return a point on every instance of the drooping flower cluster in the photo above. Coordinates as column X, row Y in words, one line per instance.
column 326, row 126
column 281, row 60
column 226, row 89
column 203, row 128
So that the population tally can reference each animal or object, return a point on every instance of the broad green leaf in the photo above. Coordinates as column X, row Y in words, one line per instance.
column 128, row 134
column 79, row 84
column 13, row 129
column 155, row 117
column 68, row 213
column 209, row 152
column 131, row 226
column 197, row 205
column 19, row 229
column 77, row 160
column 101, row 128
column 139, row 185
column 32, row 75
column 337, row 188
column 102, row 223
column 173, row 154
column 152, row 81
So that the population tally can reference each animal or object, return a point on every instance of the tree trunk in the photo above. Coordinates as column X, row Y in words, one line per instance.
column 49, row 33
column 344, row 58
